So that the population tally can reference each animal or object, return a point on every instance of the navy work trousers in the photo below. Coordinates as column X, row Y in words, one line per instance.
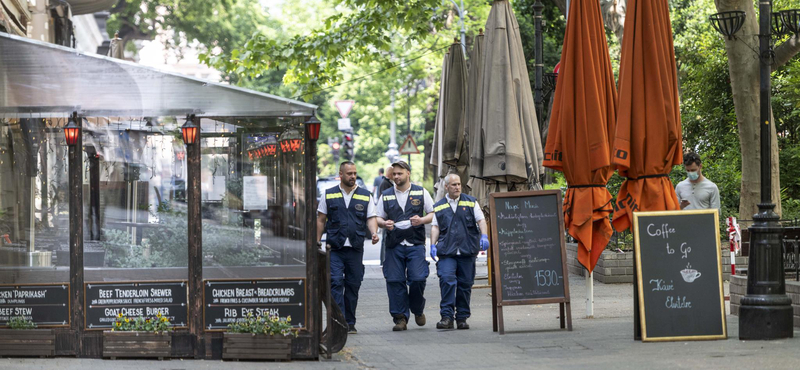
column 347, row 272
column 456, row 277
column 406, row 271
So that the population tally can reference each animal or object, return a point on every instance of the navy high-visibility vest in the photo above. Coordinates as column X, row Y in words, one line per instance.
column 346, row 222
column 459, row 230
column 414, row 206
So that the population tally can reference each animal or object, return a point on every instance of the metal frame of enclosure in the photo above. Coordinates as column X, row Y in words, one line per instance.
column 161, row 216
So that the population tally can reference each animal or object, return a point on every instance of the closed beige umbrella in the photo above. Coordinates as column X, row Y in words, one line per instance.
column 511, row 142
column 454, row 95
column 436, row 145
column 477, row 187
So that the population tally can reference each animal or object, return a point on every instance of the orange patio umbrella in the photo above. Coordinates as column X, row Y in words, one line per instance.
column 581, row 128
column 648, row 139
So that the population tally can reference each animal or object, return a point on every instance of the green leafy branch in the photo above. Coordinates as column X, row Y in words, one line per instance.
column 364, row 35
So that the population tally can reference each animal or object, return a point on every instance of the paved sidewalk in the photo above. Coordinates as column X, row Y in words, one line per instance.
column 533, row 340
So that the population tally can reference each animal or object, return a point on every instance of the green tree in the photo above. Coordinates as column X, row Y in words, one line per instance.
column 365, row 31
column 225, row 24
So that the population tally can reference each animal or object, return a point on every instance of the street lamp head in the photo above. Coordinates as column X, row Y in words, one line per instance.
column 728, row 23
column 72, row 131
column 313, row 126
column 189, row 130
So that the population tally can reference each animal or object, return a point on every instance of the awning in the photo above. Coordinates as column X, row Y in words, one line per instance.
column 79, row 7
column 38, row 79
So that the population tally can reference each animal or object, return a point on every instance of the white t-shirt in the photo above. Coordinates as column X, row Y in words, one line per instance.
column 323, row 206
column 402, row 198
column 702, row 195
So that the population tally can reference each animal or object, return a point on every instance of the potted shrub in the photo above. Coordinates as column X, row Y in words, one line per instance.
column 23, row 339
column 259, row 338
column 143, row 337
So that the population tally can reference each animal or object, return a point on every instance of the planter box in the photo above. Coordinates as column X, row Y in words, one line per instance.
column 31, row 342
column 256, row 347
column 137, row 344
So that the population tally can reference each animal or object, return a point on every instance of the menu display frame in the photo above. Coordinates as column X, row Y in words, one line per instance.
column 65, row 286
column 497, row 280
column 88, row 326
column 647, row 333
column 207, row 303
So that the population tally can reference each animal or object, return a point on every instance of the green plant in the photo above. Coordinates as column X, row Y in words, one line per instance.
column 21, row 323
column 156, row 324
column 257, row 324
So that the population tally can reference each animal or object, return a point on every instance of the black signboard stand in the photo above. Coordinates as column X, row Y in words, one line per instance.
column 679, row 275
column 528, row 252
column 227, row 301
column 105, row 301
column 47, row 305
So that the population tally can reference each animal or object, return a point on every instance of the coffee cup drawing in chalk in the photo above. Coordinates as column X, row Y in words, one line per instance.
column 689, row 274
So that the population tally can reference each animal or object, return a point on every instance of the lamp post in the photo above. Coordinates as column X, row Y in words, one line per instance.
column 766, row 311
column 191, row 135
column 72, row 134
column 314, row 283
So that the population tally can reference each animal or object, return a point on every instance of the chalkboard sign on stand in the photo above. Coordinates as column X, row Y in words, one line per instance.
column 529, row 252
column 679, row 275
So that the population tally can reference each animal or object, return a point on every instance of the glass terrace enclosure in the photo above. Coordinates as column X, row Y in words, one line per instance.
column 134, row 221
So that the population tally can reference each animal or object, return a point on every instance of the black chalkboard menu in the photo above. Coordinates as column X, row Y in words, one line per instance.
column 47, row 305
column 227, row 301
column 528, row 248
column 678, row 262
column 105, row 301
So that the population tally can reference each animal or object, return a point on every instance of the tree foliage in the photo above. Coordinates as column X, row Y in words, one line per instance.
column 363, row 32
column 213, row 23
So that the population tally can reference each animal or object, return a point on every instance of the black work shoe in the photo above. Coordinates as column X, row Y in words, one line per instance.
column 420, row 319
column 446, row 323
column 462, row 324
column 400, row 324
column 352, row 329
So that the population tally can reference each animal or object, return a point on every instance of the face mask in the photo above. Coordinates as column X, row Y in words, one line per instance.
column 693, row 175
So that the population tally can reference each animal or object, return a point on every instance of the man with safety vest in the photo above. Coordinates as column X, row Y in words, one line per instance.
column 347, row 213
column 458, row 233
column 402, row 212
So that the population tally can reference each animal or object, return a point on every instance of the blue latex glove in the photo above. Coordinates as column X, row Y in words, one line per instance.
column 433, row 252
column 484, row 242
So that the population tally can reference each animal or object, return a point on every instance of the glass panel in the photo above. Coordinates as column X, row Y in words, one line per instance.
column 34, row 207
column 34, row 221
column 135, row 199
column 253, row 200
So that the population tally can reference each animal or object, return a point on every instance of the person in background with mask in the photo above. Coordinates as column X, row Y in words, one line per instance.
column 697, row 192
column 458, row 233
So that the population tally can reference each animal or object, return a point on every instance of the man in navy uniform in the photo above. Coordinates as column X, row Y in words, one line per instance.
column 458, row 232
column 352, row 219
column 401, row 212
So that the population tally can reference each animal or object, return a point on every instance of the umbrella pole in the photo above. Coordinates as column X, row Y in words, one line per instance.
column 589, row 295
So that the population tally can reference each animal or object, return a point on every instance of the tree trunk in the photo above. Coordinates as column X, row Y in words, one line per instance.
column 744, row 74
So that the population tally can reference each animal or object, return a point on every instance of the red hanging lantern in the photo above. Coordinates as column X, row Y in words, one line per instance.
column 189, row 131
column 71, row 132
column 312, row 126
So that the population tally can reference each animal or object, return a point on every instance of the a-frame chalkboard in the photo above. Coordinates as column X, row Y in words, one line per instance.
column 528, row 252
column 679, row 275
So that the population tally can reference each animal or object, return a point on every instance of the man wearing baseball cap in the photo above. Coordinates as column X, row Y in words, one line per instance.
column 403, row 211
